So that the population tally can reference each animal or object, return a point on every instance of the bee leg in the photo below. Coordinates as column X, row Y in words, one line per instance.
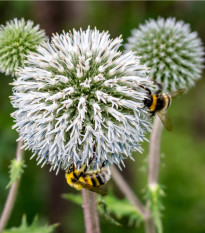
column 76, row 176
column 91, row 159
column 104, row 164
column 89, row 162
column 147, row 89
column 152, row 114
column 84, row 167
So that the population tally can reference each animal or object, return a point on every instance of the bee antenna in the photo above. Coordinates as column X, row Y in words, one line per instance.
column 159, row 86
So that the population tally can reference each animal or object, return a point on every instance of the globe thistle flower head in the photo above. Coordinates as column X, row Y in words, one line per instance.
column 17, row 39
column 173, row 53
column 78, row 97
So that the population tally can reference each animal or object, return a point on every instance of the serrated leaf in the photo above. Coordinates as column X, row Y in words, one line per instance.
column 122, row 208
column 104, row 210
column 109, row 206
column 33, row 228
column 154, row 195
column 77, row 199
column 16, row 169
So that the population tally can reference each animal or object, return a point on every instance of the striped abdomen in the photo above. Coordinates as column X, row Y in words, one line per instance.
column 158, row 102
column 96, row 178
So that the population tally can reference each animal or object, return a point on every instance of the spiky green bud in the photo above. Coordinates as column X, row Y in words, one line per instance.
column 17, row 39
column 171, row 50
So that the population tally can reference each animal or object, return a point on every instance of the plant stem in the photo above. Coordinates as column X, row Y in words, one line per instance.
column 154, row 151
column 149, row 225
column 90, row 211
column 153, row 170
column 12, row 193
column 127, row 191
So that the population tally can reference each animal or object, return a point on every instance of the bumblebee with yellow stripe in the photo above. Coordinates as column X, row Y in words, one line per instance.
column 158, row 103
column 91, row 180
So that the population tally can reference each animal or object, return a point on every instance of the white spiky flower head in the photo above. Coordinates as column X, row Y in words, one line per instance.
column 17, row 39
column 79, row 97
column 171, row 50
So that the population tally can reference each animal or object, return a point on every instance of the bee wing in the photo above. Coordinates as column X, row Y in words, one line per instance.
column 177, row 93
column 91, row 188
column 165, row 119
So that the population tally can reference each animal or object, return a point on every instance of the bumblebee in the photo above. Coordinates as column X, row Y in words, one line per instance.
column 158, row 103
column 91, row 180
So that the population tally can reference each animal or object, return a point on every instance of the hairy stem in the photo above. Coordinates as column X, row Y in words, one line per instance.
column 127, row 191
column 90, row 211
column 12, row 193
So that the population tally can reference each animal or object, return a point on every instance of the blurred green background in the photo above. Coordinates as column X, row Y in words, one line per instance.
column 182, row 170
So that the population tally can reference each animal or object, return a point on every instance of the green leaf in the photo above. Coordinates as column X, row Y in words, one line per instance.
column 16, row 169
column 154, row 194
column 121, row 208
column 77, row 199
column 111, row 207
column 33, row 228
column 104, row 210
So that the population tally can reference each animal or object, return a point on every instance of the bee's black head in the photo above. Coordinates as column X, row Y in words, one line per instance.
column 147, row 101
